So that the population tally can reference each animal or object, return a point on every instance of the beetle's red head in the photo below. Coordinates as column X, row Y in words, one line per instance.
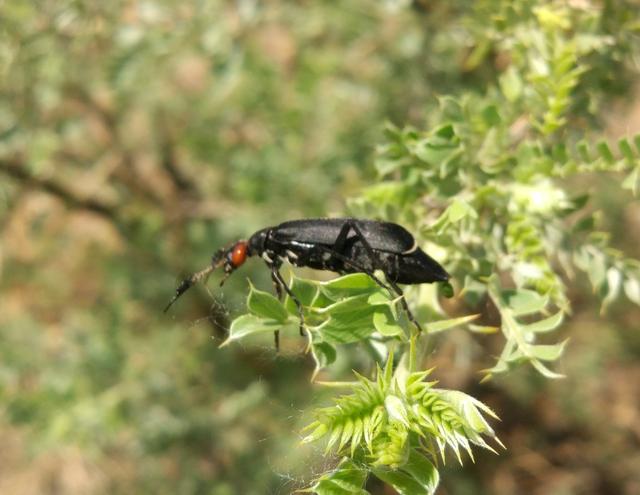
column 231, row 258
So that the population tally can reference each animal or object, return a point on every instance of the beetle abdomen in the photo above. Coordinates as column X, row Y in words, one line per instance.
column 419, row 268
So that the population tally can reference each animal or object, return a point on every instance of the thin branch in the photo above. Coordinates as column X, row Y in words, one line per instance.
column 17, row 171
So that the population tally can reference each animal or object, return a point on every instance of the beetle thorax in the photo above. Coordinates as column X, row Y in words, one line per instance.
column 257, row 242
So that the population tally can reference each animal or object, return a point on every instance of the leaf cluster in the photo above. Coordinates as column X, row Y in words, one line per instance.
column 489, row 184
column 392, row 426
column 345, row 310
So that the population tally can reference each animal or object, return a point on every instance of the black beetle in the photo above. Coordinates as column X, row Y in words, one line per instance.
column 342, row 245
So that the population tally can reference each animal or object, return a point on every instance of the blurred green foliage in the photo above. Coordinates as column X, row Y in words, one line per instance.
column 136, row 137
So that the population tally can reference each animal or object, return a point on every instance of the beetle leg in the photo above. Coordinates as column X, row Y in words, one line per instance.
column 275, row 274
column 276, row 285
column 364, row 241
column 405, row 306
column 340, row 241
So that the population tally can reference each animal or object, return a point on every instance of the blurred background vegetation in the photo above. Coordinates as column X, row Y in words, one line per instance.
column 138, row 137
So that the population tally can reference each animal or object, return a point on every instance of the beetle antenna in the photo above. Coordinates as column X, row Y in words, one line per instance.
column 216, row 261
column 187, row 283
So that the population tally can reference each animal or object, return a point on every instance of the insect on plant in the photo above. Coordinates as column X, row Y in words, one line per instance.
column 342, row 245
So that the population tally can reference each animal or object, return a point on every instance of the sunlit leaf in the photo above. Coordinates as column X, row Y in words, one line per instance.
column 524, row 301
column 247, row 325
column 632, row 289
column 385, row 323
column 265, row 305
column 323, row 354
column 346, row 479
column 423, row 471
column 348, row 326
column 348, row 285
column 548, row 352
column 546, row 324
column 403, row 483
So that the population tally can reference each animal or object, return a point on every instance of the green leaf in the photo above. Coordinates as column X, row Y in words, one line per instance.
column 348, row 326
column 445, row 131
column 605, row 151
column 348, row 285
column 632, row 181
column 439, row 326
column 319, row 431
column 632, row 289
column 305, row 290
column 625, row 148
column 446, row 289
column 423, row 471
column 246, row 325
column 436, row 150
column 583, row 151
column 265, row 305
column 403, row 483
column 347, row 479
column 396, row 409
column 460, row 209
column 548, row 352
column 545, row 325
column 389, row 192
column 484, row 329
column 386, row 324
column 614, row 285
column 347, row 304
column 511, row 84
column 524, row 301
column 544, row 371
column 324, row 354
column 491, row 115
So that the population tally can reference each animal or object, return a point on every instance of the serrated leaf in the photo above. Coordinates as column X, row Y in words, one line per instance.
column 439, row 326
column 545, row 325
column 265, row 305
